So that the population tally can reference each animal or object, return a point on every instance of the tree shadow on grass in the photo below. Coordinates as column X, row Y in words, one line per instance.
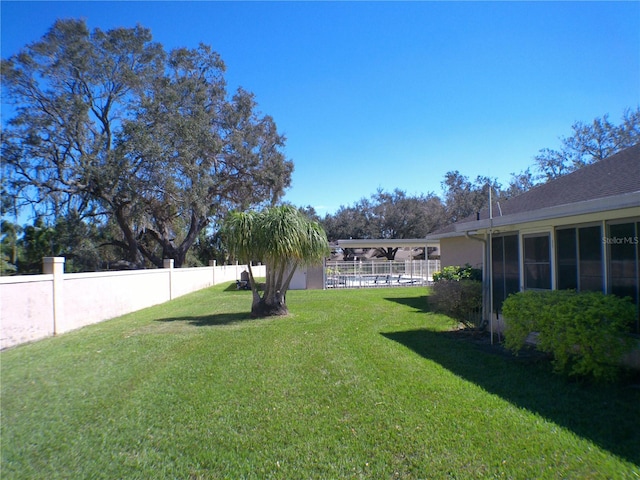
column 609, row 416
column 211, row 320
column 421, row 304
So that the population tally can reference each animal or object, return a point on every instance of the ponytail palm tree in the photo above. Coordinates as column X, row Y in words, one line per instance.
column 282, row 238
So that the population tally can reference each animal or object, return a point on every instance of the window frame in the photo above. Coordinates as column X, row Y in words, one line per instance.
column 507, row 280
column 537, row 262
column 610, row 245
column 578, row 260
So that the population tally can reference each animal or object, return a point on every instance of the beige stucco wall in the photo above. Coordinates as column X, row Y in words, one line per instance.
column 26, row 309
column 460, row 251
column 92, row 297
column 35, row 307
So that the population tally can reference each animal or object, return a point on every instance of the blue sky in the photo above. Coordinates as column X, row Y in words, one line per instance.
column 395, row 94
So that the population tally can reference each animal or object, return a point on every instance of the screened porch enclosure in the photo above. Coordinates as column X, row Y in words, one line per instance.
column 602, row 256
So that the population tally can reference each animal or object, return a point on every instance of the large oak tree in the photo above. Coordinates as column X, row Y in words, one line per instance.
column 110, row 124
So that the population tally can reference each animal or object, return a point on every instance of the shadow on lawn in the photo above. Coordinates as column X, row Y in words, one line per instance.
column 609, row 416
column 421, row 304
column 210, row 320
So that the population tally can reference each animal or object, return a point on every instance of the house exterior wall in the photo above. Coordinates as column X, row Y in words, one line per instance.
column 460, row 251
column 580, row 231
column 603, row 220
column 603, row 273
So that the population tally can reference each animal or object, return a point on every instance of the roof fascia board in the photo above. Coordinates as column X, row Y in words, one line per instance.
column 438, row 236
column 378, row 243
column 617, row 202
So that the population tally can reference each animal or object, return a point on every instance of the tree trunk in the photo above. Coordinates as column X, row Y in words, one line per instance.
column 178, row 253
column 198, row 223
column 133, row 255
column 270, row 305
column 276, row 306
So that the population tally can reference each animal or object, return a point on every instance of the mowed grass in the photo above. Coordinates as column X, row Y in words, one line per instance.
column 353, row 384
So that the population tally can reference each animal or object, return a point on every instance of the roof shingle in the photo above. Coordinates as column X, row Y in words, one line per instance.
column 615, row 175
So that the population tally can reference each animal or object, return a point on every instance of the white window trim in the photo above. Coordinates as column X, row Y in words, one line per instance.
column 528, row 233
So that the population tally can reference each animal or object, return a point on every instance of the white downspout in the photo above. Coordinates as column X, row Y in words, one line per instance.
column 490, row 255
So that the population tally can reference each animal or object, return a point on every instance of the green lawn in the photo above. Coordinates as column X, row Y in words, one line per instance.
column 353, row 384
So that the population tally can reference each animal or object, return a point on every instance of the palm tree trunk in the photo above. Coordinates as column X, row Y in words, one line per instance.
column 273, row 301
column 264, row 308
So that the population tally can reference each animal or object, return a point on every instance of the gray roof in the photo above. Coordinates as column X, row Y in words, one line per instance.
column 618, row 175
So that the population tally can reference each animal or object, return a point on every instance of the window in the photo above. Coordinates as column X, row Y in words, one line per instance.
column 537, row 263
column 590, row 258
column 504, row 255
column 624, row 252
column 567, row 259
column 579, row 257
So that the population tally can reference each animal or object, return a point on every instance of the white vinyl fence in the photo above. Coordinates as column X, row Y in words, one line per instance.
column 377, row 273
column 38, row 306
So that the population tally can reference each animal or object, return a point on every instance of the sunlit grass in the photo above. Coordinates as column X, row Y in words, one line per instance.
column 353, row 384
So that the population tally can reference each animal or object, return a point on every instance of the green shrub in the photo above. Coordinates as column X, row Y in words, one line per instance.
column 457, row 293
column 458, row 299
column 526, row 312
column 457, row 273
column 586, row 333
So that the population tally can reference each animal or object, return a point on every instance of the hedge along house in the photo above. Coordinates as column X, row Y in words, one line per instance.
column 580, row 231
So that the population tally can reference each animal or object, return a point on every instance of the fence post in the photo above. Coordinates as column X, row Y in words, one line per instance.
column 168, row 263
column 212, row 264
column 55, row 266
